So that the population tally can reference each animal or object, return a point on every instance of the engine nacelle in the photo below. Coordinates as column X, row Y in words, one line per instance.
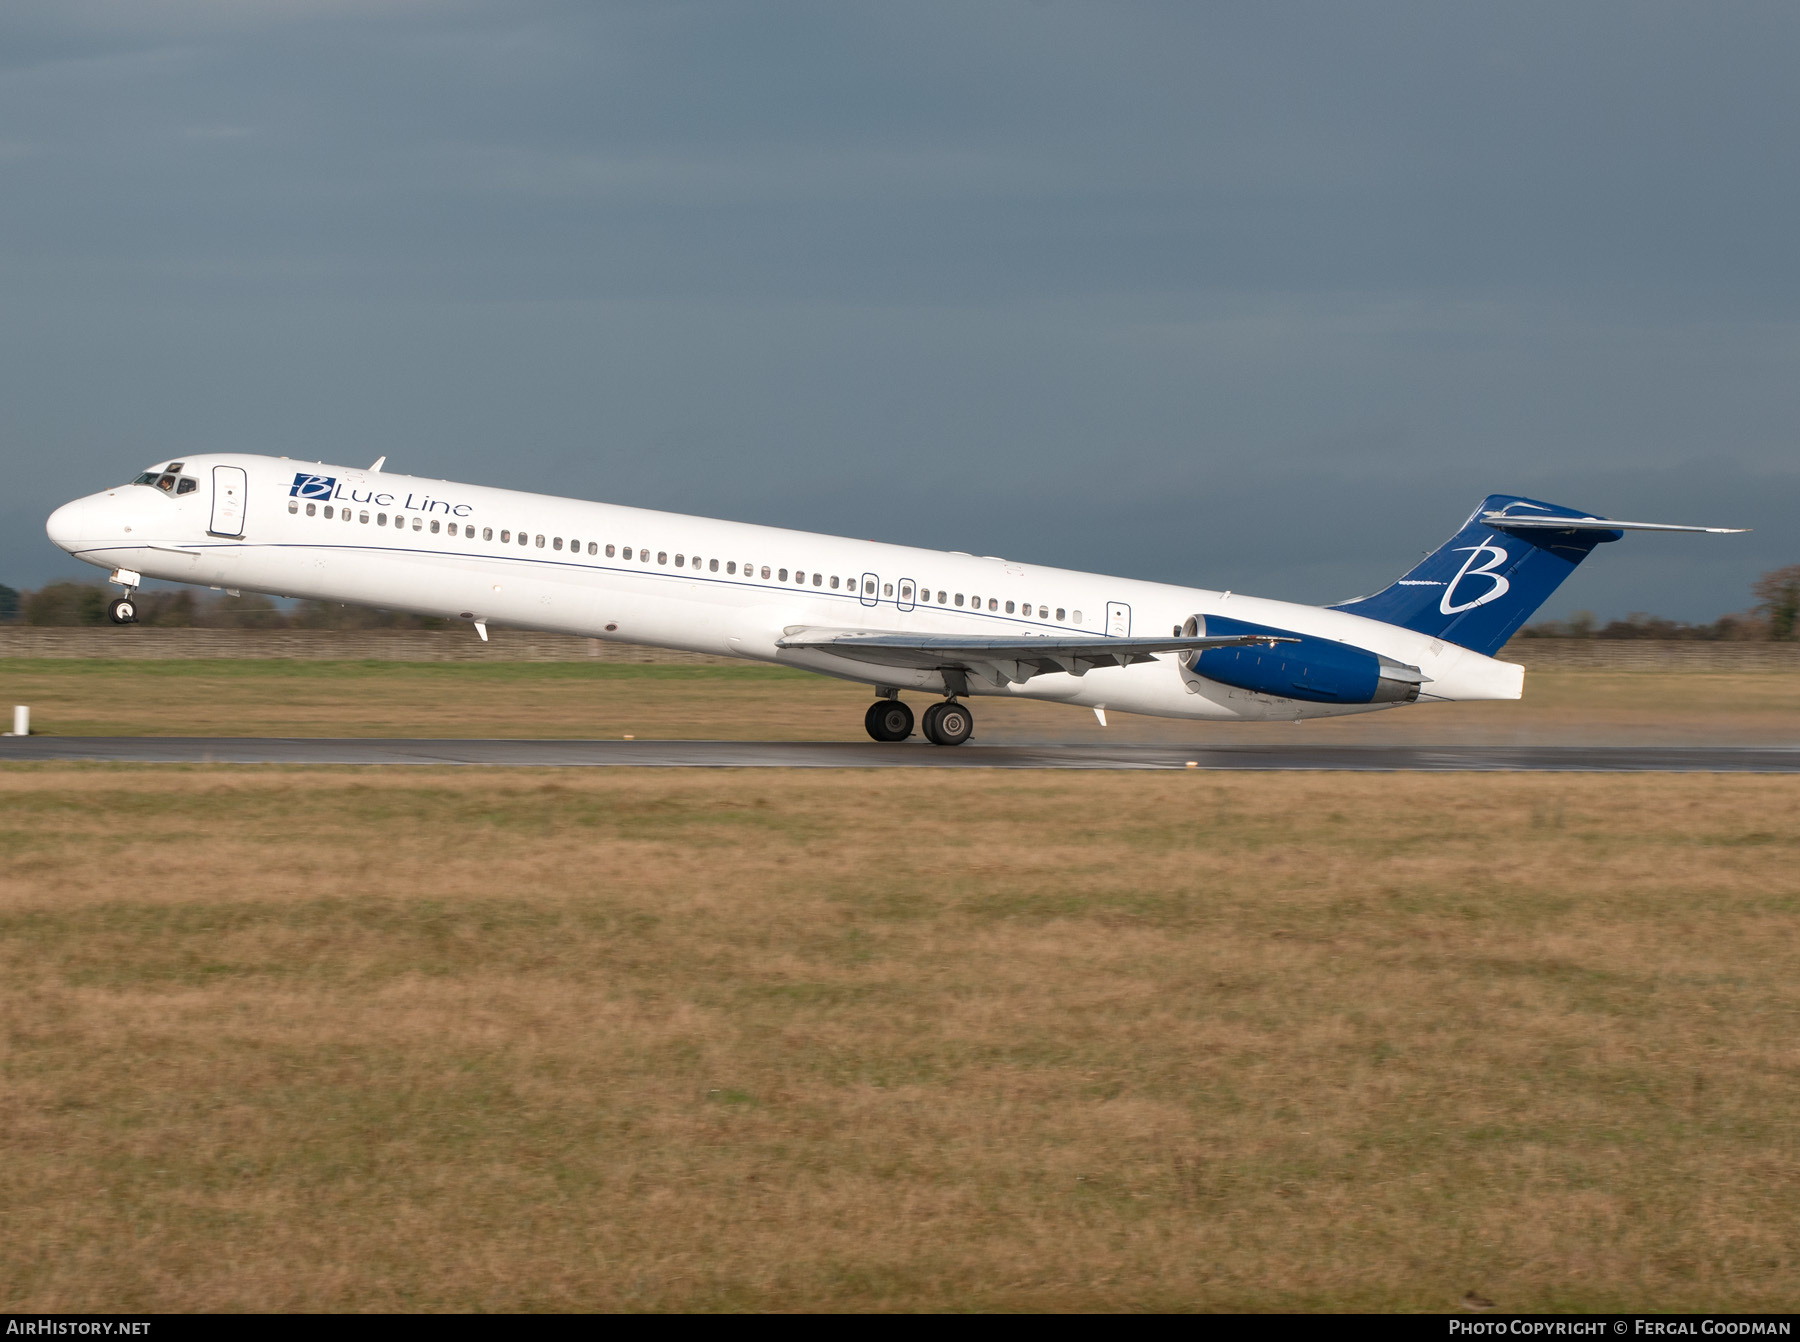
column 1318, row 670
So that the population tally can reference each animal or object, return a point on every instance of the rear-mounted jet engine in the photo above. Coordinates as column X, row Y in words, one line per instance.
column 1318, row 670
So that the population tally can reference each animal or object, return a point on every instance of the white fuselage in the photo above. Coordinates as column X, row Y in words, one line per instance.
column 693, row 583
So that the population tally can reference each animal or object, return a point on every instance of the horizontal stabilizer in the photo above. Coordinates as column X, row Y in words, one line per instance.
column 1514, row 522
column 1003, row 661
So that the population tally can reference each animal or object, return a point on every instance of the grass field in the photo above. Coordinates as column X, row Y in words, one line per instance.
column 340, row 1039
column 586, row 700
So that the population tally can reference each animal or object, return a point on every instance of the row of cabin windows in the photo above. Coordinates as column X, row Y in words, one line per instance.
column 800, row 576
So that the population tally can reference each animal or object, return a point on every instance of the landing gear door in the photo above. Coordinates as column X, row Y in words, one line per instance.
column 871, row 589
column 227, row 501
column 1118, row 620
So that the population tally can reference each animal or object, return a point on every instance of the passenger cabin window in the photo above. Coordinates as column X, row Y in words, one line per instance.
column 679, row 561
column 712, row 566
column 312, row 510
column 609, row 552
column 593, row 547
column 1009, row 608
column 959, row 598
column 365, row 518
column 293, row 507
column 487, row 534
column 834, row 582
column 731, row 566
column 381, row 519
column 1060, row 614
column 540, row 542
column 328, row 512
column 557, row 545
column 506, row 538
column 818, row 579
column 662, row 556
column 765, row 571
column 1077, row 617
column 782, row 575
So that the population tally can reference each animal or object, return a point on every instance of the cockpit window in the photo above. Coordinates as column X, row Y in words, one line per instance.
column 169, row 479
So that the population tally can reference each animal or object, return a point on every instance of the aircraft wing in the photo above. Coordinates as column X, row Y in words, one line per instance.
column 1003, row 661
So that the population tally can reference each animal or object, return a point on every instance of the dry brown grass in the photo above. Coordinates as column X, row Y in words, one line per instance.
column 228, row 698
column 347, row 1039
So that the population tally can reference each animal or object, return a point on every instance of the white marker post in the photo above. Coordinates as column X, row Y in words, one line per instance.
column 21, row 720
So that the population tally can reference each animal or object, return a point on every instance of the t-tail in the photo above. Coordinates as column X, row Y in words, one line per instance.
column 1477, row 588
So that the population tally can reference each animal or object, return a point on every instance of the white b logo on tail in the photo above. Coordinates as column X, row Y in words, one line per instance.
column 1496, row 557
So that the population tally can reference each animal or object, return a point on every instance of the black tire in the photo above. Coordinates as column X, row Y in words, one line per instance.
column 888, row 720
column 949, row 723
column 122, row 611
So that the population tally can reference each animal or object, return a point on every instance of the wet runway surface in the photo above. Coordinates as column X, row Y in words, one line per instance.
column 913, row 754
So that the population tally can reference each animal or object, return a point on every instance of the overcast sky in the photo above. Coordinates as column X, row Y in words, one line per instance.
column 1260, row 296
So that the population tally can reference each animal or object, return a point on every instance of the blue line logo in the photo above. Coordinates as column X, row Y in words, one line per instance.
column 312, row 486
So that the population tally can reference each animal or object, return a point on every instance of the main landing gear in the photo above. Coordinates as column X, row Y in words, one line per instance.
column 947, row 724
column 888, row 720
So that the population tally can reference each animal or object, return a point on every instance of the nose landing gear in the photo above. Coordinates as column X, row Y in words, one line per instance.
column 124, row 609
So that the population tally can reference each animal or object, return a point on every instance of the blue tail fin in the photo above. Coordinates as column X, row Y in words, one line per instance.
column 1483, row 583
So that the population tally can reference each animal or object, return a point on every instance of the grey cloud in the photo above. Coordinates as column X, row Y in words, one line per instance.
column 1226, row 294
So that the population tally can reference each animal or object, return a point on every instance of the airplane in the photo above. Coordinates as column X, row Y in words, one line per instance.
column 948, row 625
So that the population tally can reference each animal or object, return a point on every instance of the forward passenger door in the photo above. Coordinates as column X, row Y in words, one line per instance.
column 227, row 501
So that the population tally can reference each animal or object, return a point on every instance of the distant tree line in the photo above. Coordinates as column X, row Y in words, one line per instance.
column 72, row 604
column 1776, row 615
column 1773, row 618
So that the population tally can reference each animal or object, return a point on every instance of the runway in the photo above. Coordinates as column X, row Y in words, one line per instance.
column 913, row 754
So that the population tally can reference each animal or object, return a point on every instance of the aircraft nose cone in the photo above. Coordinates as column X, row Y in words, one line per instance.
column 67, row 526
